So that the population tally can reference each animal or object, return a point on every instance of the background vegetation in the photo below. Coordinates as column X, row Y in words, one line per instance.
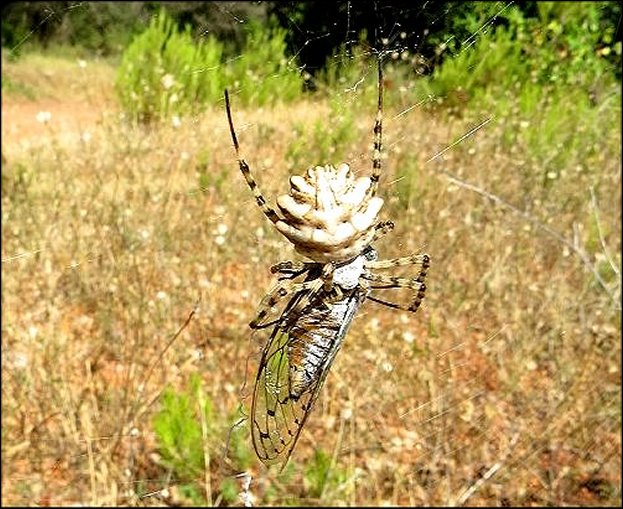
column 133, row 252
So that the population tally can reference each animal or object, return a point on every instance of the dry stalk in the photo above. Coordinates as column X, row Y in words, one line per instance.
column 468, row 492
column 573, row 246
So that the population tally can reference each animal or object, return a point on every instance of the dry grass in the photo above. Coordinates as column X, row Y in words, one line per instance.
column 503, row 389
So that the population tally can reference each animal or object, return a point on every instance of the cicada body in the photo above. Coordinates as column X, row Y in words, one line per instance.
column 298, row 356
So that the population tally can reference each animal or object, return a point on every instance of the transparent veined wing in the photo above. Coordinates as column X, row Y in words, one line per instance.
column 294, row 364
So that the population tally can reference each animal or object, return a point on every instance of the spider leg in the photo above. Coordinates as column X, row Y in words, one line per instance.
column 383, row 228
column 416, row 284
column 292, row 269
column 385, row 282
column 285, row 287
column 393, row 281
column 268, row 211
column 415, row 259
column 324, row 282
column 334, row 296
column 378, row 134
column 413, row 307
column 377, row 164
column 281, row 290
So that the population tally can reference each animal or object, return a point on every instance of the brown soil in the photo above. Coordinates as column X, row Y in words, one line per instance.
column 70, row 118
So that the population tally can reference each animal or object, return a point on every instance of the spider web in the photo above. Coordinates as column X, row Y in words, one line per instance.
column 419, row 426
column 426, row 395
column 458, row 390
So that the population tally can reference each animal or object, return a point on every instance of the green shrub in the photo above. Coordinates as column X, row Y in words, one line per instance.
column 178, row 430
column 567, row 44
column 345, row 68
column 573, row 43
column 181, row 441
column 544, row 79
column 322, row 479
column 263, row 73
column 164, row 73
column 494, row 61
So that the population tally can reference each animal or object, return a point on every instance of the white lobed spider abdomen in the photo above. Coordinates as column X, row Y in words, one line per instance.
column 329, row 215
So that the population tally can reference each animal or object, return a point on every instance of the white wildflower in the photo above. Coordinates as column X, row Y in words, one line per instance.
column 408, row 337
column 43, row 117
column 168, row 80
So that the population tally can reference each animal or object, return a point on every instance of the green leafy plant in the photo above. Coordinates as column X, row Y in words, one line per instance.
column 524, row 74
column 346, row 66
column 565, row 43
column 263, row 73
column 229, row 490
column 322, row 477
column 178, row 430
column 238, row 448
column 165, row 73
column 181, row 436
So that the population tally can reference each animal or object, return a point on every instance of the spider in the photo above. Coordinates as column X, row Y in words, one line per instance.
column 331, row 217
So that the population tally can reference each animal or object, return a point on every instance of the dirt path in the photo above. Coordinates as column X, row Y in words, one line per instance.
column 27, row 123
column 47, row 97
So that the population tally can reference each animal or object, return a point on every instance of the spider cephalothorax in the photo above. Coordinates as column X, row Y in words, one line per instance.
column 328, row 215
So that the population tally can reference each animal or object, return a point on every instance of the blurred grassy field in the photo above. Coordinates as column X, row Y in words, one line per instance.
column 504, row 389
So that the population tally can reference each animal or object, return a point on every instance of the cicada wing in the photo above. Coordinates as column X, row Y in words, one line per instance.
column 294, row 365
column 277, row 414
